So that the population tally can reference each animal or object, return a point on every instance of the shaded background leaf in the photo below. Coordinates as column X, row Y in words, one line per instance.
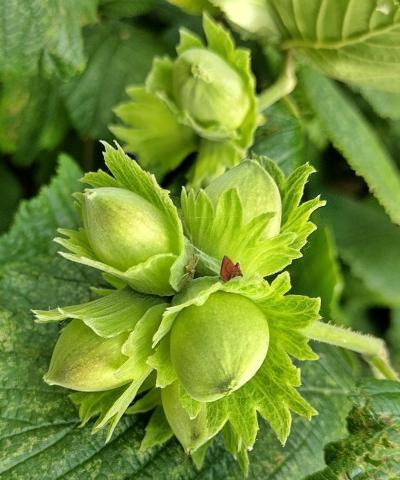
column 355, row 139
column 119, row 55
column 43, row 35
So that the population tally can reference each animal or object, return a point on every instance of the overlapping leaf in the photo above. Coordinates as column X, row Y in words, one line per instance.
column 368, row 243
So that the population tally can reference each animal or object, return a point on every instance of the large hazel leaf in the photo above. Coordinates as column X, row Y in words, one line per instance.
column 351, row 134
column 32, row 118
column 317, row 273
column 39, row 434
column 281, row 137
column 351, row 40
column 368, row 242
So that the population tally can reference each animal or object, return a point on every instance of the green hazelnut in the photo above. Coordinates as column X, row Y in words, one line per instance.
column 191, row 433
column 123, row 229
column 84, row 361
column 209, row 89
column 257, row 190
column 217, row 347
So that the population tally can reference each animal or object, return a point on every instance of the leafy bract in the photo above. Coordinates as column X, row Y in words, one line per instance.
column 271, row 392
column 219, row 230
column 43, row 35
column 160, row 274
column 108, row 316
column 355, row 139
column 372, row 447
column 162, row 132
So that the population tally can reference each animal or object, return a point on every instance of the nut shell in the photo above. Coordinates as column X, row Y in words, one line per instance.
column 209, row 89
column 123, row 228
column 217, row 347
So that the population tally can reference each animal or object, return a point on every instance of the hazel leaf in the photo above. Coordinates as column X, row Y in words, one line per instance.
column 372, row 446
column 354, row 42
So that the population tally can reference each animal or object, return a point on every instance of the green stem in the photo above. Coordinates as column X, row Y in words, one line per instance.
column 373, row 349
column 282, row 87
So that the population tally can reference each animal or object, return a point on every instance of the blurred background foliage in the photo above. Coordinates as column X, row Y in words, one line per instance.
column 65, row 64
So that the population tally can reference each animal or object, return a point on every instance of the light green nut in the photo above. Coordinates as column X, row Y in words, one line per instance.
column 219, row 346
column 257, row 190
column 84, row 361
column 191, row 433
column 123, row 229
column 209, row 89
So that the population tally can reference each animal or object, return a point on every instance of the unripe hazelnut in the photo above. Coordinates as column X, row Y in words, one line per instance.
column 217, row 347
column 209, row 89
column 123, row 229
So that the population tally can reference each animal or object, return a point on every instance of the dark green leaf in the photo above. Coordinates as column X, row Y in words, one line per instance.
column 281, row 138
column 371, row 450
column 32, row 118
column 125, row 8
column 385, row 104
column 317, row 273
column 368, row 243
column 119, row 55
column 355, row 139
column 43, row 34
column 10, row 189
